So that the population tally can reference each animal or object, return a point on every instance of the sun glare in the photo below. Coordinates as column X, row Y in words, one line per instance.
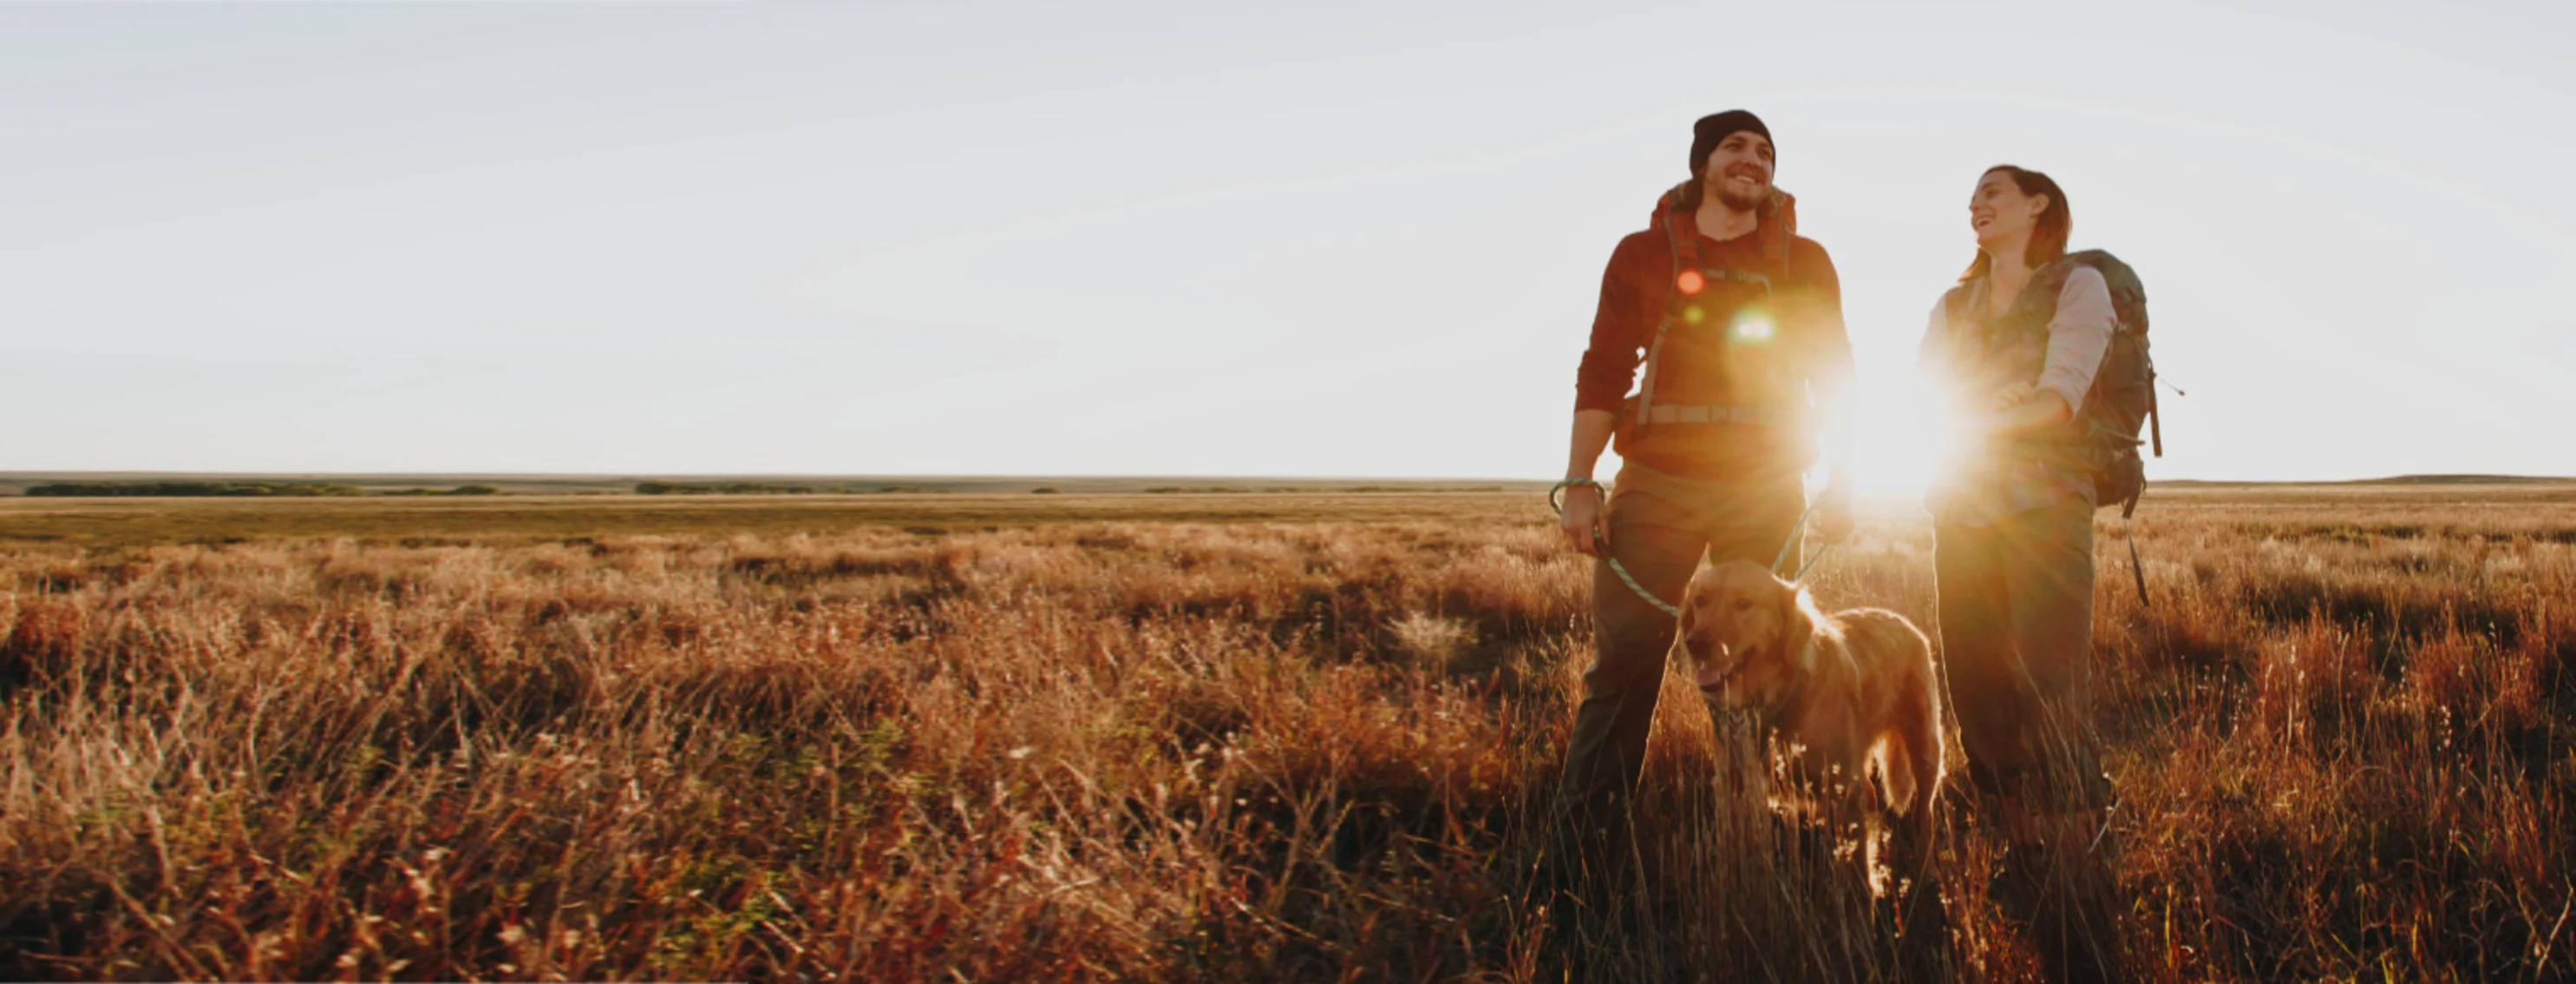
column 1900, row 441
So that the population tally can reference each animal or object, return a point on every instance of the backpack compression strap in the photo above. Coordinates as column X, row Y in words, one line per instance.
column 1663, row 324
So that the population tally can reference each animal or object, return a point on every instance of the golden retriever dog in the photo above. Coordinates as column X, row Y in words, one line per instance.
column 1842, row 691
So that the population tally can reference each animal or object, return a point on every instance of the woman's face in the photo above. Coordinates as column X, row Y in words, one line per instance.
column 1999, row 213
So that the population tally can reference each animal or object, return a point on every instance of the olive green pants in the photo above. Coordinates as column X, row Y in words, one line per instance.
column 1660, row 527
column 2016, row 607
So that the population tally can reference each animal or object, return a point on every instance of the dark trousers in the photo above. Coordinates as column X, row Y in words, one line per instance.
column 2016, row 607
column 1660, row 527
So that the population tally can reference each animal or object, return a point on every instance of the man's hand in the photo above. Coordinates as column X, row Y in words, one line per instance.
column 1583, row 519
column 1834, row 522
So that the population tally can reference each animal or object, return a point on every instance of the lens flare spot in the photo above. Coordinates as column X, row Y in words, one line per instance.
column 1751, row 328
column 1690, row 281
column 1693, row 314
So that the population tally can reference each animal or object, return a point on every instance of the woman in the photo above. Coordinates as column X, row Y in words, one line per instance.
column 2016, row 345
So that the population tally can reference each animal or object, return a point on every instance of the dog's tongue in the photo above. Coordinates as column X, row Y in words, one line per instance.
column 1710, row 677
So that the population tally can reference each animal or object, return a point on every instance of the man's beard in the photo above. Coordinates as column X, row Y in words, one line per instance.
column 1741, row 201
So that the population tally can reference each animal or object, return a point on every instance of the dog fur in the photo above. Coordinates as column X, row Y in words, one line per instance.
column 1842, row 692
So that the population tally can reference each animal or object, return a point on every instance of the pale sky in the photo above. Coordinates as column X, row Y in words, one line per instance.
column 1344, row 239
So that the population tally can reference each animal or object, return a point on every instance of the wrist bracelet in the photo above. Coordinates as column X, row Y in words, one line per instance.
column 1566, row 483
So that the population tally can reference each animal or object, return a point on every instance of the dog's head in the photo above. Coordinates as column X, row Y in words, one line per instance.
column 1745, row 633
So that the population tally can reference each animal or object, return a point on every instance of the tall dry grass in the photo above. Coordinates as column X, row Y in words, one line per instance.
column 1147, row 751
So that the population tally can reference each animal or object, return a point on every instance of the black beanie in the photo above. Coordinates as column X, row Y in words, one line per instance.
column 1714, row 127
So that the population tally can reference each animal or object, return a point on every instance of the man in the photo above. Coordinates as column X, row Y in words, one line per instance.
column 1737, row 323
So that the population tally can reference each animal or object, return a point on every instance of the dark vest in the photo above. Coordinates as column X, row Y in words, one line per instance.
column 1989, row 352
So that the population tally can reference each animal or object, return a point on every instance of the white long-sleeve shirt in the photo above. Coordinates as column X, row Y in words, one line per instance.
column 2077, row 336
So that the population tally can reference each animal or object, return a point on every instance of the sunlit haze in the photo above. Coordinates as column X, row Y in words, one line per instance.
column 1899, row 441
column 1217, row 239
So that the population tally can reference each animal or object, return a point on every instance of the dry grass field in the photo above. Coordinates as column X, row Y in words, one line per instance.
column 1187, row 737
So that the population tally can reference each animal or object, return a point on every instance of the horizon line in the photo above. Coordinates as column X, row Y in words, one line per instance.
column 23, row 476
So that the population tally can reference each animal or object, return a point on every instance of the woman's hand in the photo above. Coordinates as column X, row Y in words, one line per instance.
column 1582, row 519
column 2022, row 407
column 2010, row 396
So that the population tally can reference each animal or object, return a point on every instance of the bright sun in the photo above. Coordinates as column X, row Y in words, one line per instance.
column 1902, row 439
column 1899, row 440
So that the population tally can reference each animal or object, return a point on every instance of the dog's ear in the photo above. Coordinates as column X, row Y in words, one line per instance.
column 1797, row 626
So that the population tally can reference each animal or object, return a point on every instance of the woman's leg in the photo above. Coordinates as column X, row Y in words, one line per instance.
column 1989, row 694
column 2057, row 875
column 2048, row 574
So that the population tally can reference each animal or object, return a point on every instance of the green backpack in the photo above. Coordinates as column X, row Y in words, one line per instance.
column 2123, row 399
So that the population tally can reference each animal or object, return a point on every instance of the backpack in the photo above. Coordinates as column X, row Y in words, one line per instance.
column 1674, row 216
column 2122, row 401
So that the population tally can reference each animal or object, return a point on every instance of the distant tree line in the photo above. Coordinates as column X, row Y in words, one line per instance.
column 204, row 489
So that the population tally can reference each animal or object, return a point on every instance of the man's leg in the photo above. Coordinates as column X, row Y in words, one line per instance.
column 1631, row 638
column 1755, row 521
column 1746, row 520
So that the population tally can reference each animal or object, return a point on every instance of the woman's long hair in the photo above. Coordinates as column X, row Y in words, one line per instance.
column 2048, row 232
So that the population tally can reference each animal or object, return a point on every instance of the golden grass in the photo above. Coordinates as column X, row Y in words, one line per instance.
column 1184, row 738
column 521, row 519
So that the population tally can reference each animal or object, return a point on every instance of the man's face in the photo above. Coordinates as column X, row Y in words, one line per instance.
column 1739, row 170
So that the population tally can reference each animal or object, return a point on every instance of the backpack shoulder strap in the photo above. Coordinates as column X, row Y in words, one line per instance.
column 1782, row 211
column 1685, row 256
column 2037, row 304
column 2046, row 282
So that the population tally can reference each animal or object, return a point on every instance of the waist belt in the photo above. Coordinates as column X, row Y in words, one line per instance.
column 1667, row 414
column 1739, row 276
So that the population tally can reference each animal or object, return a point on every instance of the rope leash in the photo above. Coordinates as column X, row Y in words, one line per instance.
column 1811, row 564
column 1603, row 544
column 1796, row 534
column 1622, row 570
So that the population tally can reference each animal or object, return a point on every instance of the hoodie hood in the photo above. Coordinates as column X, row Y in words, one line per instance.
column 1781, row 207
